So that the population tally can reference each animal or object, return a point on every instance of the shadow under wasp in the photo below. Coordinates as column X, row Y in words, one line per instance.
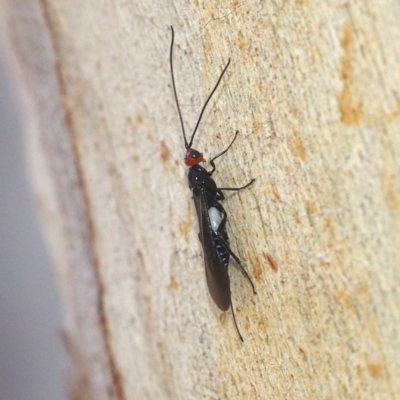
column 211, row 214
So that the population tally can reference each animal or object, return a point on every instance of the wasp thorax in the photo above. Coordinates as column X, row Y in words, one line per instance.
column 193, row 157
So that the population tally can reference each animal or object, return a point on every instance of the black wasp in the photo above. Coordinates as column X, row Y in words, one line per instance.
column 210, row 213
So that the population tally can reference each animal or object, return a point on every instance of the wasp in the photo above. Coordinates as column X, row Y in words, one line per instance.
column 211, row 214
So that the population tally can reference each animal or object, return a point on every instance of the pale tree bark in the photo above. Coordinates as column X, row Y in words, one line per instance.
column 313, row 89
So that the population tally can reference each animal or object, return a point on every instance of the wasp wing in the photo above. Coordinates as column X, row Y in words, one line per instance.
column 216, row 272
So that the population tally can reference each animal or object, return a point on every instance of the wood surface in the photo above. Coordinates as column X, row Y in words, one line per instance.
column 313, row 88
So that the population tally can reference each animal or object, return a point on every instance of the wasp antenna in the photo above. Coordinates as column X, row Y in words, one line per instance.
column 207, row 101
column 173, row 84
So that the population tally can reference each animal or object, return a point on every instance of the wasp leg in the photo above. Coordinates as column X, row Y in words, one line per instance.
column 219, row 196
column 236, row 258
column 221, row 154
column 239, row 188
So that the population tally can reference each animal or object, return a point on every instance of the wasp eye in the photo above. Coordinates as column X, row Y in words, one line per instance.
column 193, row 157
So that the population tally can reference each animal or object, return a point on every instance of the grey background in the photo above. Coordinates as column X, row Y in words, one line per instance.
column 31, row 355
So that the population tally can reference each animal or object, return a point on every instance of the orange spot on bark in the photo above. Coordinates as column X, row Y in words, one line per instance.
column 173, row 283
column 272, row 262
column 257, row 271
column 302, row 2
column 376, row 369
column 276, row 193
column 164, row 152
column 390, row 189
column 138, row 121
column 185, row 226
column 298, row 149
column 350, row 111
column 297, row 218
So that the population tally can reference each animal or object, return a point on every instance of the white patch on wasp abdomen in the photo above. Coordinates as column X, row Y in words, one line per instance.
column 215, row 217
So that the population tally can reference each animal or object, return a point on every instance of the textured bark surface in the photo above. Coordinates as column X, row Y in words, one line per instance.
column 313, row 88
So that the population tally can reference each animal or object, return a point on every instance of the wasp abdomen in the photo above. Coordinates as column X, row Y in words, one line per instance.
column 221, row 250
